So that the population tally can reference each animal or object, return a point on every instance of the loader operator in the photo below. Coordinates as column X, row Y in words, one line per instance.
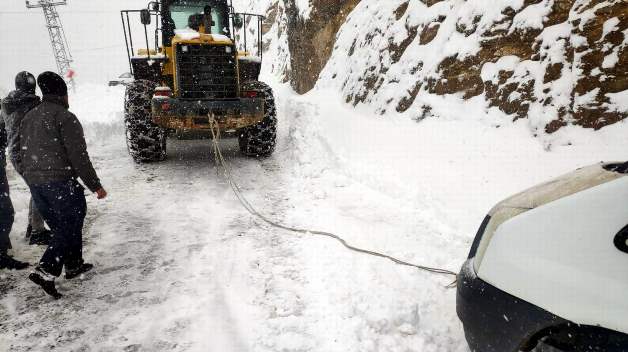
column 200, row 23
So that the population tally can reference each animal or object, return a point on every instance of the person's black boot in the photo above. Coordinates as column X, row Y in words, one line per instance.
column 45, row 281
column 40, row 237
column 7, row 262
column 78, row 271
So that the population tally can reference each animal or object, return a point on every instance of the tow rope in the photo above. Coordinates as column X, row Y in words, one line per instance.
column 220, row 159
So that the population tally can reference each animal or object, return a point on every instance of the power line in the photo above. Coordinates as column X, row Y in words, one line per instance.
column 58, row 40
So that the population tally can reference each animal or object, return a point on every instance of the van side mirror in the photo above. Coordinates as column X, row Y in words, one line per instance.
column 145, row 17
column 621, row 240
column 238, row 23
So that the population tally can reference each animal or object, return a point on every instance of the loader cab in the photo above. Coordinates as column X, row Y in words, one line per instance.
column 181, row 15
column 173, row 34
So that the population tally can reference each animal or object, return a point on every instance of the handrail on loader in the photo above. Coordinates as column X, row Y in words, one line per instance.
column 239, row 24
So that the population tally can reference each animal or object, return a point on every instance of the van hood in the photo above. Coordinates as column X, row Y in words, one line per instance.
column 561, row 187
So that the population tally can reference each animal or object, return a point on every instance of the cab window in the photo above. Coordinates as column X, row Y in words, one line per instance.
column 183, row 12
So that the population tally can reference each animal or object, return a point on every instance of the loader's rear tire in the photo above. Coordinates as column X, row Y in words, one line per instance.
column 260, row 140
column 146, row 141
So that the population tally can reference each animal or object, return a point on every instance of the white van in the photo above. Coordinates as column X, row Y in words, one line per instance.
column 548, row 270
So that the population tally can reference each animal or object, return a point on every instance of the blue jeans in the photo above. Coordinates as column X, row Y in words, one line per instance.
column 63, row 207
column 6, row 211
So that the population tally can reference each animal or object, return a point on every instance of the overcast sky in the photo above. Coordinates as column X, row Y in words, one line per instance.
column 94, row 32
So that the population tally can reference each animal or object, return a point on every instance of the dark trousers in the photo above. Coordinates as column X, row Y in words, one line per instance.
column 6, row 211
column 63, row 207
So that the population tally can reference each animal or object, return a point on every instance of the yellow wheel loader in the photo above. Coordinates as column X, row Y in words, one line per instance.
column 196, row 64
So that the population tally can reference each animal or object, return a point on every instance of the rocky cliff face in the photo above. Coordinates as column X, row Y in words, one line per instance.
column 553, row 62
column 311, row 40
column 302, row 35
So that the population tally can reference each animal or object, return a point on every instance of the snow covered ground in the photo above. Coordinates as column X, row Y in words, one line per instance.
column 180, row 266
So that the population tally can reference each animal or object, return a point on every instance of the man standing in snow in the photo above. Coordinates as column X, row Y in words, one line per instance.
column 15, row 106
column 53, row 155
column 6, row 210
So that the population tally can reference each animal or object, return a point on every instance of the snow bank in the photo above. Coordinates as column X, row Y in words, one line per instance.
column 460, row 166
column 100, row 109
column 418, row 191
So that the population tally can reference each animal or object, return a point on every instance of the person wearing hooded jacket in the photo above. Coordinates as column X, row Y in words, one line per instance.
column 6, row 210
column 15, row 106
column 53, row 155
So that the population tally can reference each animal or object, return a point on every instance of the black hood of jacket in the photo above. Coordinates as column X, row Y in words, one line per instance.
column 55, row 99
column 17, row 100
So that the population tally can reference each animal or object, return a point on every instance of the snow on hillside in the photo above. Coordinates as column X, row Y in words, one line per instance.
column 364, row 49
column 535, row 61
column 275, row 40
column 305, row 8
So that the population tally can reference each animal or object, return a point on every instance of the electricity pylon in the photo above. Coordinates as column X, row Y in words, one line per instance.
column 60, row 47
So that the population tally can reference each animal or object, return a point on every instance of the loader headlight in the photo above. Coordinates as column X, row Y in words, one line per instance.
column 228, row 50
column 184, row 49
column 488, row 228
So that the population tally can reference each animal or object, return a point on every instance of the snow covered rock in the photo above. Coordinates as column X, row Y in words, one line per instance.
column 311, row 38
column 555, row 62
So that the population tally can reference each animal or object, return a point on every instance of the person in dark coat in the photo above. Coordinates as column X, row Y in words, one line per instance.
column 53, row 156
column 6, row 210
column 15, row 106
